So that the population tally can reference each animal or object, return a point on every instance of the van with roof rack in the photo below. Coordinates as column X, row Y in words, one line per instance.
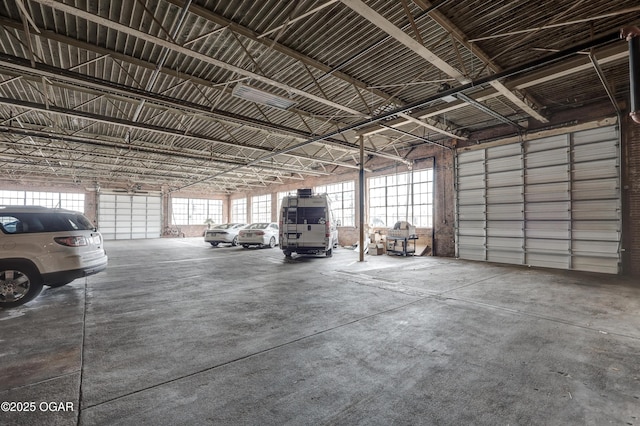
column 307, row 225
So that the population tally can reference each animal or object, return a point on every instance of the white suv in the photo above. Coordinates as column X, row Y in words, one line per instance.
column 41, row 246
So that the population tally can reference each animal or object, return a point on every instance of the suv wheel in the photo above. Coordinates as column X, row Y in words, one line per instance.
column 18, row 284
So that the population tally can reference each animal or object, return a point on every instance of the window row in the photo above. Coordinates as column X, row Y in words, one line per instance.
column 194, row 211
column 398, row 197
column 63, row 200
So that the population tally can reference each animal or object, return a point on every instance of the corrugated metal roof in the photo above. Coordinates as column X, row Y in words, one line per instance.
column 120, row 92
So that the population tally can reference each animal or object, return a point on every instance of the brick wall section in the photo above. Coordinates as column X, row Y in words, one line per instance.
column 631, row 197
column 444, row 196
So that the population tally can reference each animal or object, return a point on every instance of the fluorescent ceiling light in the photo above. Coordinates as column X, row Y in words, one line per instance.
column 252, row 94
column 448, row 98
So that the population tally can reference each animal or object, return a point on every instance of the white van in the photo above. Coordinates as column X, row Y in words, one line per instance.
column 307, row 225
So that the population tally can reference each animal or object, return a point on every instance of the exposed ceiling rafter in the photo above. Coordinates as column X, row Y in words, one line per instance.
column 79, row 13
column 146, row 127
column 73, row 78
column 381, row 22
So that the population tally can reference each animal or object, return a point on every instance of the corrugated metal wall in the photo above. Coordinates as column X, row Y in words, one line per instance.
column 551, row 202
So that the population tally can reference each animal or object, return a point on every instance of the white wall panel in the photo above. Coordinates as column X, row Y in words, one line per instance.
column 505, row 228
column 548, row 143
column 471, row 182
column 505, row 194
column 549, row 260
column 548, row 192
column 551, row 202
column 504, row 178
column 473, row 228
column 547, row 174
column 548, row 229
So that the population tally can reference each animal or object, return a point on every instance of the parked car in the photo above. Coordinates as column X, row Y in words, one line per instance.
column 259, row 234
column 42, row 246
column 225, row 233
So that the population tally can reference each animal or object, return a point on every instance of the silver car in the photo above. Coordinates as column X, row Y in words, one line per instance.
column 226, row 233
column 259, row 234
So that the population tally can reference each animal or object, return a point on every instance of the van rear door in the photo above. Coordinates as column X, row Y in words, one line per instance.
column 312, row 226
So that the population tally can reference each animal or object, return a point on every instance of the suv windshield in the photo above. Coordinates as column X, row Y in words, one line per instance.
column 21, row 223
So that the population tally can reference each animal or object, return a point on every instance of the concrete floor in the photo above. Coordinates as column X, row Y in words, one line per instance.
column 178, row 332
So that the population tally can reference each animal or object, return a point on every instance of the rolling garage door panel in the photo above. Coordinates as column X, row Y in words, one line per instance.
column 107, row 209
column 551, row 202
column 547, row 174
column 471, row 206
column 125, row 217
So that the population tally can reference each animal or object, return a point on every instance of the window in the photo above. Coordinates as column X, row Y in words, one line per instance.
column 195, row 211
column 342, row 196
column 239, row 210
column 180, row 211
column 281, row 195
column 198, row 213
column 261, row 208
column 405, row 196
column 63, row 200
column 215, row 211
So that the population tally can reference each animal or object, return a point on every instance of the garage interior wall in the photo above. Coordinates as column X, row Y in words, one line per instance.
column 444, row 200
column 549, row 202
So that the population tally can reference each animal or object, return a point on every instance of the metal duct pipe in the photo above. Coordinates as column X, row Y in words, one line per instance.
column 634, row 77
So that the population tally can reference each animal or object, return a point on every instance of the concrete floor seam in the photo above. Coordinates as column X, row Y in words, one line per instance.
column 205, row 370
column 396, row 288
column 82, row 349
column 195, row 260
column 50, row 379
column 473, row 283
column 437, row 296
column 543, row 317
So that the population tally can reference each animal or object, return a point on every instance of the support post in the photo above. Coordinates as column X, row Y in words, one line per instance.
column 361, row 204
column 634, row 77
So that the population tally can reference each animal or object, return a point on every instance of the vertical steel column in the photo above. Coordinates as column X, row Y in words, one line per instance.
column 525, row 182
column 634, row 77
column 570, row 168
column 361, row 204
column 434, row 191
column 486, row 202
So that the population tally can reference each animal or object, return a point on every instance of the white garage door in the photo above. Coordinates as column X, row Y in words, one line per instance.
column 126, row 217
column 551, row 202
